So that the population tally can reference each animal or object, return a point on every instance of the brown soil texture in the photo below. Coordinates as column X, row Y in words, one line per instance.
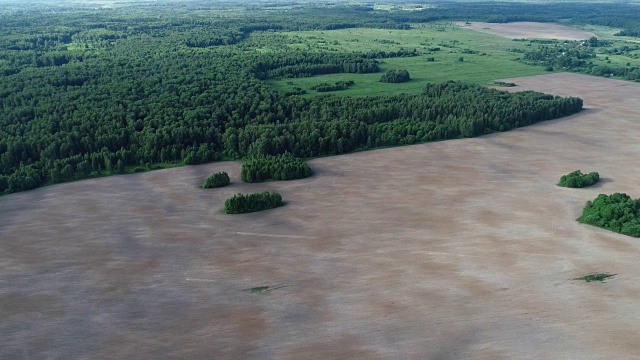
column 461, row 249
column 518, row 30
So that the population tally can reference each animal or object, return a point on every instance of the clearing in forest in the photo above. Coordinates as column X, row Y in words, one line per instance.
column 485, row 57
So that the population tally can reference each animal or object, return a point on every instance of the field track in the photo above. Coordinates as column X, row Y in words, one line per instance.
column 461, row 249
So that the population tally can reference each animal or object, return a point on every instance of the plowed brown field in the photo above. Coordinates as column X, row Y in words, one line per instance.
column 450, row 250
column 525, row 29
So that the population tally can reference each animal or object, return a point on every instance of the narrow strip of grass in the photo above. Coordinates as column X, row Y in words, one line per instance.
column 600, row 277
column 263, row 289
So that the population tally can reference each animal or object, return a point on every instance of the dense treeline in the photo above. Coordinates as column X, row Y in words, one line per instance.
column 241, row 203
column 617, row 212
column 279, row 167
column 295, row 16
column 395, row 76
column 303, row 64
column 217, row 180
column 107, row 91
column 577, row 179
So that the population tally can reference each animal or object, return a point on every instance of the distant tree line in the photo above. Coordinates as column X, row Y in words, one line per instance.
column 305, row 64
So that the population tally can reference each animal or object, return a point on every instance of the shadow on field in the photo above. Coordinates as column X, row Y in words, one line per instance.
column 601, row 183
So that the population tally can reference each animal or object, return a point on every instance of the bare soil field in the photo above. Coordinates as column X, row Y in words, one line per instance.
column 527, row 30
column 461, row 249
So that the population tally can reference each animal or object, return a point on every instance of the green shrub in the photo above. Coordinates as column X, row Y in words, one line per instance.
column 577, row 179
column 279, row 167
column 617, row 212
column 216, row 180
column 506, row 84
column 241, row 203
column 601, row 277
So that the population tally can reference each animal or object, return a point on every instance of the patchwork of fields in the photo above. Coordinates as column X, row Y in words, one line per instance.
column 453, row 249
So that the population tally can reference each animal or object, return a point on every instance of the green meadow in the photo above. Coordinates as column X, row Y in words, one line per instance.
column 463, row 55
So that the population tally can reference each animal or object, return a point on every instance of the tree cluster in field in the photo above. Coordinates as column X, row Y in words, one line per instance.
column 338, row 85
column 278, row 167
column 91, row 93
column 381, row 54
column 217, row 180
column 241, row 203
column 395, row 76
column 577, row 179
column 595, row 42
column 574, row 56
column 617, row 212
column 563, row 55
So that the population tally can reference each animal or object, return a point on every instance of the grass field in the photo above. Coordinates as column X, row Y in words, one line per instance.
column 486, row 57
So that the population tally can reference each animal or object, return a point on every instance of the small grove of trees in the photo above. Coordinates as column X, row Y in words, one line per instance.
column 216, row 180
column 278, row 167
column 241, row 203
column 617, row 212
column 339, row 85
column 577, row 179
column 395, row 76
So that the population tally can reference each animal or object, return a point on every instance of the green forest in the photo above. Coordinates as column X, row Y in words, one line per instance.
column 90, row 91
